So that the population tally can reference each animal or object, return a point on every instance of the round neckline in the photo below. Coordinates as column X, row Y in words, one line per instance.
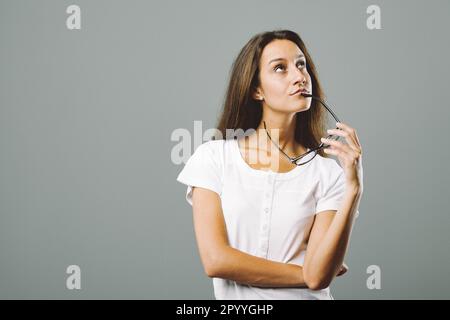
column 278, row 175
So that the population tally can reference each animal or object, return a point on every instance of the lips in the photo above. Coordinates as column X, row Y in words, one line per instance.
column 299, row 91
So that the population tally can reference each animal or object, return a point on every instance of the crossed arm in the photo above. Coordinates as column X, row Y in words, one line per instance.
column 220, row 260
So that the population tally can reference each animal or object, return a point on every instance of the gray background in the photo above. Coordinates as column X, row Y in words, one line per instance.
column 86, row 176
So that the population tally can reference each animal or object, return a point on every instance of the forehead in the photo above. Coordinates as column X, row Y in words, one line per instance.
column 280, row 49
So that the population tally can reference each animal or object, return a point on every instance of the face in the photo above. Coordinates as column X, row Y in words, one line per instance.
column 282, row 72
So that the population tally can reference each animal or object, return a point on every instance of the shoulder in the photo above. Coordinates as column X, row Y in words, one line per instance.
column 218, row 148
column 214, row 145
column 212, row 150
column 328, row 167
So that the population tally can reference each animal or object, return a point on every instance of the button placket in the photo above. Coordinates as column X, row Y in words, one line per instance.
column 265, row 217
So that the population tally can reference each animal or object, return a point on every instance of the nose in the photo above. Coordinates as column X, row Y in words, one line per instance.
column 299, row 77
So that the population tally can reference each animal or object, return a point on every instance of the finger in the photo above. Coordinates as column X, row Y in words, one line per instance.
column 349, row 129
column 334, row 152
column 349, row 133
column 340, row 149
column 342, row 271
column 351, row 157
column 334, row 143
column 343, row 133
column 339, row 152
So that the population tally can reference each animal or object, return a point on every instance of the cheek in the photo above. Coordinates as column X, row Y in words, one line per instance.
column 308, row 78
column 276, row 89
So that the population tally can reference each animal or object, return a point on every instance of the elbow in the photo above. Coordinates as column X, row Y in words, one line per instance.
column 317, row 284
column 213, row 265
column 316, row 281
column 211, row 270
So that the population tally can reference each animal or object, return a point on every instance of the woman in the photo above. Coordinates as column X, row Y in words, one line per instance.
column 267, row 228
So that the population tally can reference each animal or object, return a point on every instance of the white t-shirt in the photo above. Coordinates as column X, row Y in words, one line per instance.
column 267, row 214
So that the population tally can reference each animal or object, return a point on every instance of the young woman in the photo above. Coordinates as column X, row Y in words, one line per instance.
column 266, row 227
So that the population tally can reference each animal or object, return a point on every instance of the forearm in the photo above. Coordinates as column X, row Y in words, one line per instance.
column 255, row 271
column 329, row 255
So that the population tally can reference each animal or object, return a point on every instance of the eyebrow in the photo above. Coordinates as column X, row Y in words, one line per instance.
column 277, row 59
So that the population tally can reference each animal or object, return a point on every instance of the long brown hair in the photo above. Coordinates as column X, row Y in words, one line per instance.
column 241, row 111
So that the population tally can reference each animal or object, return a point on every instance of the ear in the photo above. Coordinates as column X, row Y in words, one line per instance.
column 257, row 95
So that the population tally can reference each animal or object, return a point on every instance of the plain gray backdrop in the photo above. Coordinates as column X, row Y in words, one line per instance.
column 86, row 175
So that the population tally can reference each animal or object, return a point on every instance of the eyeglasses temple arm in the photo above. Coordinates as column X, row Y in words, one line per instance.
column 324, row 104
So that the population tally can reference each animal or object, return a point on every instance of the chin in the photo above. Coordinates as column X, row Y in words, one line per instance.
column 302, row 107
column 293, row 107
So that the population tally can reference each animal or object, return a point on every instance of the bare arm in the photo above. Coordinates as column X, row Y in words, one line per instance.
column 220, row 260
column 329, row 240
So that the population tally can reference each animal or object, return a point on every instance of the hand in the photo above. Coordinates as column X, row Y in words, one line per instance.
column 349, row 154
column 344, row 269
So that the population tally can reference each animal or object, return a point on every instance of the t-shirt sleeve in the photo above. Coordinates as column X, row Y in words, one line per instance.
column 332, row 190
column 203, row 169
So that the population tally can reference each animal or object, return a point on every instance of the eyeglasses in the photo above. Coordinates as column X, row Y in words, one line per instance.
column 309, row 155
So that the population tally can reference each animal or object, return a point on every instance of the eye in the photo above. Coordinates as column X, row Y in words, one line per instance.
column 276, row 67
column 301, row 63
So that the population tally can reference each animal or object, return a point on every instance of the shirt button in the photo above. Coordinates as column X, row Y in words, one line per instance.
column 266, row 210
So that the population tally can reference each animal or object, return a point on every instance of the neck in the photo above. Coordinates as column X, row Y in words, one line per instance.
column 281, row 129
